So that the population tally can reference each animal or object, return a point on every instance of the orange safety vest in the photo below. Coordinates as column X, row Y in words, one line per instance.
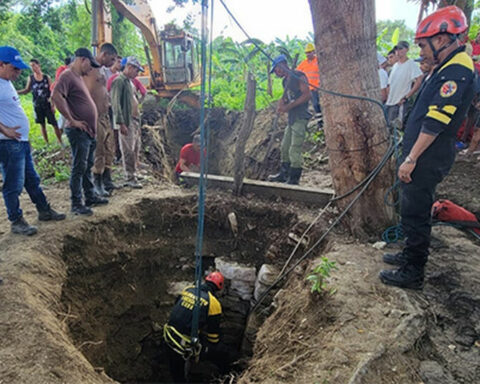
column 310, row 68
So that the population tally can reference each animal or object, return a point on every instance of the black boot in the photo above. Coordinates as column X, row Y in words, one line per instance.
column 95, row 200
column 281, row 177
column 21, row 227
column 98, row 183
column 107, row 180
column 50, row 214
column 407, row 276
column 294, row 176
column 395, row 258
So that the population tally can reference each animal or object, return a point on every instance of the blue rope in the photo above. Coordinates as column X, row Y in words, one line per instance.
column 201, row 182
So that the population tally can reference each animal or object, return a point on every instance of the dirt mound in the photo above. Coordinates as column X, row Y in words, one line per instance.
column 368, row 333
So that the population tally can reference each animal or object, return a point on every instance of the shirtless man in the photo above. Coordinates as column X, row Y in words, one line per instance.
column 96, row 82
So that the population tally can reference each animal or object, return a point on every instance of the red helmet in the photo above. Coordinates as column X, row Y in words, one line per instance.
column 444, row 20
column 216, row 278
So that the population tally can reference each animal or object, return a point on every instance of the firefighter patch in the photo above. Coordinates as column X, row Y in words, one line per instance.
column 448, row 88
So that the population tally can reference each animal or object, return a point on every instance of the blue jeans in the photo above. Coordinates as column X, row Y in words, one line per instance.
column 18, row 171
column 83, row 151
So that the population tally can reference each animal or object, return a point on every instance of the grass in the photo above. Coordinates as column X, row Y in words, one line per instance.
column 52, row 161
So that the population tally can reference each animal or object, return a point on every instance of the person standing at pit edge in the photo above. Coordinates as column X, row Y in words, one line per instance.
column 73, row 100
column 96, row 81
column 126, row 115
column 429, row 141
column 16, row 161
column 294, row 101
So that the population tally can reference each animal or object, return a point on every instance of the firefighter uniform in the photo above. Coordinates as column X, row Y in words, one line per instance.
column 439, row 110
column 178, row 329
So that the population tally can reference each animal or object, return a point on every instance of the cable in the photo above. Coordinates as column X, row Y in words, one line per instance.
column 392, row 149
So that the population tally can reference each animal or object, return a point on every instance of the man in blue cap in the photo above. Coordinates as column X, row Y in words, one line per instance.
column 294, row 101
column 15, row 155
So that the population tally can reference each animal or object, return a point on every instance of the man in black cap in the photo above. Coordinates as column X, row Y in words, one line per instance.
column 74, row 102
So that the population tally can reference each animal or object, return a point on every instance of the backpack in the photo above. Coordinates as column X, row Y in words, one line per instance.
column 445, row 210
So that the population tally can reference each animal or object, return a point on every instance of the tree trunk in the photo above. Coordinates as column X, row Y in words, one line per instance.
column 355, row 131
column 247, row 126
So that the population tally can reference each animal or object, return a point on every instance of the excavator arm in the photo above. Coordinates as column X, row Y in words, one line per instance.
column 173, row 66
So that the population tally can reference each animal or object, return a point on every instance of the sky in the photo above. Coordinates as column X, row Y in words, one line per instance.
column 267, row 19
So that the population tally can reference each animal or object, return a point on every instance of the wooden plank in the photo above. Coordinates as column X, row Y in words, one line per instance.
column 265, row 188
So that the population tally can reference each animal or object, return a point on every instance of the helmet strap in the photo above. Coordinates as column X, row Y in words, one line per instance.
column 453, row 39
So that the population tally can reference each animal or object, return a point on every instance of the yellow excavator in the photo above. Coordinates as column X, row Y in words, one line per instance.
column 173, row 64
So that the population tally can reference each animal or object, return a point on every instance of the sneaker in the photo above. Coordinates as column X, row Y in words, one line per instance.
column 398, row 258
column 95, row 200
column 81, row 210
column 50, row 215
column 21, row 227
column 460, row 145
column 407, row 276
column 133, row 183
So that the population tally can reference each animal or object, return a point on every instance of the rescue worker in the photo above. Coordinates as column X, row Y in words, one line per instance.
column 429, row 140
column 294, row 101
column 309, row 67
column 177, row 331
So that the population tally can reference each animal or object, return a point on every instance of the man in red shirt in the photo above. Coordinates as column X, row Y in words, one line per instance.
column 189, row 157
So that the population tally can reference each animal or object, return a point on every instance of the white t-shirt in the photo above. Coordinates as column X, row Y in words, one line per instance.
column 11, row 111
column 400, row 80
column 383, row 75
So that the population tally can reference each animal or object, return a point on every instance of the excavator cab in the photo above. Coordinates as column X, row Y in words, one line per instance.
column 179, row 58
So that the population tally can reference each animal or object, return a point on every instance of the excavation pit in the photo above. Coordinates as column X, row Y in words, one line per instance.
column 124, row 273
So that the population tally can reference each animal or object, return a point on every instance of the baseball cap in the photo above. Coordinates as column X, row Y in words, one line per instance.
column 403, row 44
column 277, row 60
column 132, row 60
column 84, row 52
column 11, row 56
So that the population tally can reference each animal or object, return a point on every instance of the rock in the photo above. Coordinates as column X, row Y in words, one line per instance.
column 379, row 245
column 232, row 219
column 244, row 289
column 432, row 372
column 265, row 278
column 235, row 271
column 176, row 287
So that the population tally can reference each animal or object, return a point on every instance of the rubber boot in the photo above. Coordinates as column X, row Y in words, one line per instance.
column 407, row 276
column 98, row 183
column 281, row 177
column 294, row 176
column 398, row 259
column 107, row 180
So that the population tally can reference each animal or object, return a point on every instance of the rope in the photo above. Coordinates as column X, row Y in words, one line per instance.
column 201, row 183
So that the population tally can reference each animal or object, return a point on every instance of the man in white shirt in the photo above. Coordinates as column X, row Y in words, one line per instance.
column 404, row 73
column 16, row 161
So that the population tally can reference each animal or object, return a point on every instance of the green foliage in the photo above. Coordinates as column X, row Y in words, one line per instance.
column 319, row 275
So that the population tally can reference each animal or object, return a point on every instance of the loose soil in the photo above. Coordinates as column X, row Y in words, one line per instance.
column 83, row 301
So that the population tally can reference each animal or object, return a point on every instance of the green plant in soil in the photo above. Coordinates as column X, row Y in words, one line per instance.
column 319, row 275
